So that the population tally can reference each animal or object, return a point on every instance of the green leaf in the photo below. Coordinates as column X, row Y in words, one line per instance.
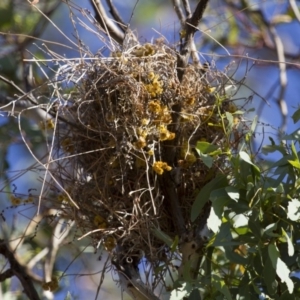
column 204, row 195
column 273, row 254
column 162, row 236
column 270, row 276
column 254, row 224
column 205, row 147
column 233, row 193
column 181, row 292
column 219, row 200
column 174, row 244
column 207, row 160
column 296, row 116
column 246, row 158
column 269, row 230
column 195, row 295
column 206, row 150
column 221, row 286
column 214, row 221
column 223, row 237
column 283, row 273
column 295, row 163
column 291, row 249
column 229, row 118
column 234, row 257
column 294, row 151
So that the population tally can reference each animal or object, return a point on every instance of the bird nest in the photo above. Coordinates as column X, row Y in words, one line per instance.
column 127, row 122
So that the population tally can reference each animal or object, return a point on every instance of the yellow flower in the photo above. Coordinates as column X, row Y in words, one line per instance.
column 15, row 200
column 151, row 152
column 232, row 108
column 171, row 136
column 190, row 101
column 163, row 133
column 100, row 222
column 154, row 106
column 159, row 167
column 109, row 243
column 140, row 143
column 48, row 124
column 51, row 285
column 29, row 200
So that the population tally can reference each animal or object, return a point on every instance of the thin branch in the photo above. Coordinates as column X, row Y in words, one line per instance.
column 193, row 22
column 282, row 75
column 191, row 26
column 187, row 8
column 114, row 12
column 111, row 29
column 295, row 9
column 58, row 236
column 19, row 271
column 179, row 11
column 6, row 274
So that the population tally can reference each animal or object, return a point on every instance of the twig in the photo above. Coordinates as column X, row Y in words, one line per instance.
column 114, row 12
column 187, row 8
column 110, row 28
column 283, row 77
column 179, row 11
column 19, row 271
column 295, row 9
column 186, row 46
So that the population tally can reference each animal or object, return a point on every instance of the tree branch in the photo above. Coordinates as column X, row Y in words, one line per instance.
column 19, row 271
column 110, row 28
column 187, row 8
column 114, row 12
column 178, row 11
column 187, row 43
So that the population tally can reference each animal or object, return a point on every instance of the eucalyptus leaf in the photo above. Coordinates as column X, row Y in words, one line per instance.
column 204, row 195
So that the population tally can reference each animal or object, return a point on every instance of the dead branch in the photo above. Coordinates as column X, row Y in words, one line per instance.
column 114, row 12
column 16, row 269
column 187, row 41
column 109, row 27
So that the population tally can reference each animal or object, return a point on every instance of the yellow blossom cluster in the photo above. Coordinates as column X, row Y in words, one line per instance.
column 155, row 87
column 140, row 143
column 15, row 200
column 165, row 134
column 67, row 145
column 159, row 167
column 100, row 222
column 51, row 285
column 109, row 243
column 47, row 124
column 161, row 112
column 144, row 50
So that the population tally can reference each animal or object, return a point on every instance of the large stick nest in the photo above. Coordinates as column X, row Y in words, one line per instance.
column 129, row 112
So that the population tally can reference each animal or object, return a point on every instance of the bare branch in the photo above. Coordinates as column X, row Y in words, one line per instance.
column 187, row 8
column 179, row 11
column 295, row 9
column 111, row 29
column 193, row 22
column 6, row 274
column 19, row 271
column 58, row 236
column 114, row 12
column 282, row 75
column 186, row 46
